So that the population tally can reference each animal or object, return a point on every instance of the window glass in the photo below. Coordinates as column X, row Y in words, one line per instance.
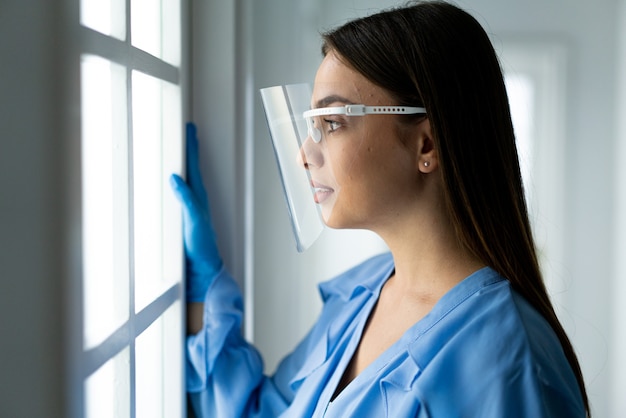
column 536, row 88
column 157, row 365
column 156, row 28
column 104, row 198
column 157, row 144
column 107, row 390
column 105, row 16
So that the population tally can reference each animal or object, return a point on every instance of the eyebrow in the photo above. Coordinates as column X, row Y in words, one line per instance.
column 334, row 98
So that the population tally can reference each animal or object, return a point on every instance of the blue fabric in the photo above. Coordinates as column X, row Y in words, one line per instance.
column 482, row 351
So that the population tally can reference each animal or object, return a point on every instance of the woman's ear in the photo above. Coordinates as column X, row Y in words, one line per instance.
column 427, row 157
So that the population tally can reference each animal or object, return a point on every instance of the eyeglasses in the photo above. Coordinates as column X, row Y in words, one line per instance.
column 354, row 110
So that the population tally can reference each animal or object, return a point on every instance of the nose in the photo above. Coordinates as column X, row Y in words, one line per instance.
column 309, row 154
column 302, row 158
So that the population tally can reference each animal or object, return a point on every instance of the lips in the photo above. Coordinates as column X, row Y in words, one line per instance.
column 321, row 192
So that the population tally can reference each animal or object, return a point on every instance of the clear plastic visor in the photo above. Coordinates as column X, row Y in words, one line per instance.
column 284, row 108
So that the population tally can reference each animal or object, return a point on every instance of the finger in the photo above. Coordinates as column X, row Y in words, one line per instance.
column 185, row 196
column 194, row 175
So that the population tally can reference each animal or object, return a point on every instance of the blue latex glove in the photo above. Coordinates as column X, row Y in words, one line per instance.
column 203, row 260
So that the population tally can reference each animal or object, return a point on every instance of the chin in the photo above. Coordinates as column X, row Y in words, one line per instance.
column 341, row 221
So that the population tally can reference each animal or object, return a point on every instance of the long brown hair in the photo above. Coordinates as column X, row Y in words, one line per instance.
column 435, row 55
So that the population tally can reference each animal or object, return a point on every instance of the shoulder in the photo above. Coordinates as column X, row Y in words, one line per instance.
column 490, row 322
column 493, row 345
column 369, row 275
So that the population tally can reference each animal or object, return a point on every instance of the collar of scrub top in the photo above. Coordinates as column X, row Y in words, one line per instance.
column 354, row 110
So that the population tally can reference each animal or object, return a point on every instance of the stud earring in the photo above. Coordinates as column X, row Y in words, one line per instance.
column 426, row 163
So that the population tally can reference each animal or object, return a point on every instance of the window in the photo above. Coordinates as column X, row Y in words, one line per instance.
column 534, row 75
column 132, row 74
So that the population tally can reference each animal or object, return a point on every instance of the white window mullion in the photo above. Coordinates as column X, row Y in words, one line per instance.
column 131, row 229
column 148, row 64
column 131, row 212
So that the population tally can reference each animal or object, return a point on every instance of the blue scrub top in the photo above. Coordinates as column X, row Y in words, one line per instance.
column 482, row 351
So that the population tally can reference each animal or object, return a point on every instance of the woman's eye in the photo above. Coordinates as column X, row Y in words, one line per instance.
column 333, row 125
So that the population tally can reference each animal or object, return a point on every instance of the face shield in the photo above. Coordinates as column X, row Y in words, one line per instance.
column 316, row 144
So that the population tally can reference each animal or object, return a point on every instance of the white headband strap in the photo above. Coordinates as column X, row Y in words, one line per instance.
column 360, row 110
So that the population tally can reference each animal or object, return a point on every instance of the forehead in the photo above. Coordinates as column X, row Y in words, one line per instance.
column 334, row 79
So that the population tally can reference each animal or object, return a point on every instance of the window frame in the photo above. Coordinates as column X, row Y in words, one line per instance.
column 545, row 65
column 83, row 362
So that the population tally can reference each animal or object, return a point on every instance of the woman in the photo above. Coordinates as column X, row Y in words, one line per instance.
column 455, row 321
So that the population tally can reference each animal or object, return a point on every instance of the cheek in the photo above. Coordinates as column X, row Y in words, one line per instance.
column 361, row 172
column 385, row 172
column 374, row 164
column 343, row 158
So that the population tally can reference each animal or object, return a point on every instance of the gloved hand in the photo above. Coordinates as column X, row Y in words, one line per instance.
column 202, row 258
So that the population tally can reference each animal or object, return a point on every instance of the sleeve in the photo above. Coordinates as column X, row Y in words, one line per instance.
column 224, row 373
